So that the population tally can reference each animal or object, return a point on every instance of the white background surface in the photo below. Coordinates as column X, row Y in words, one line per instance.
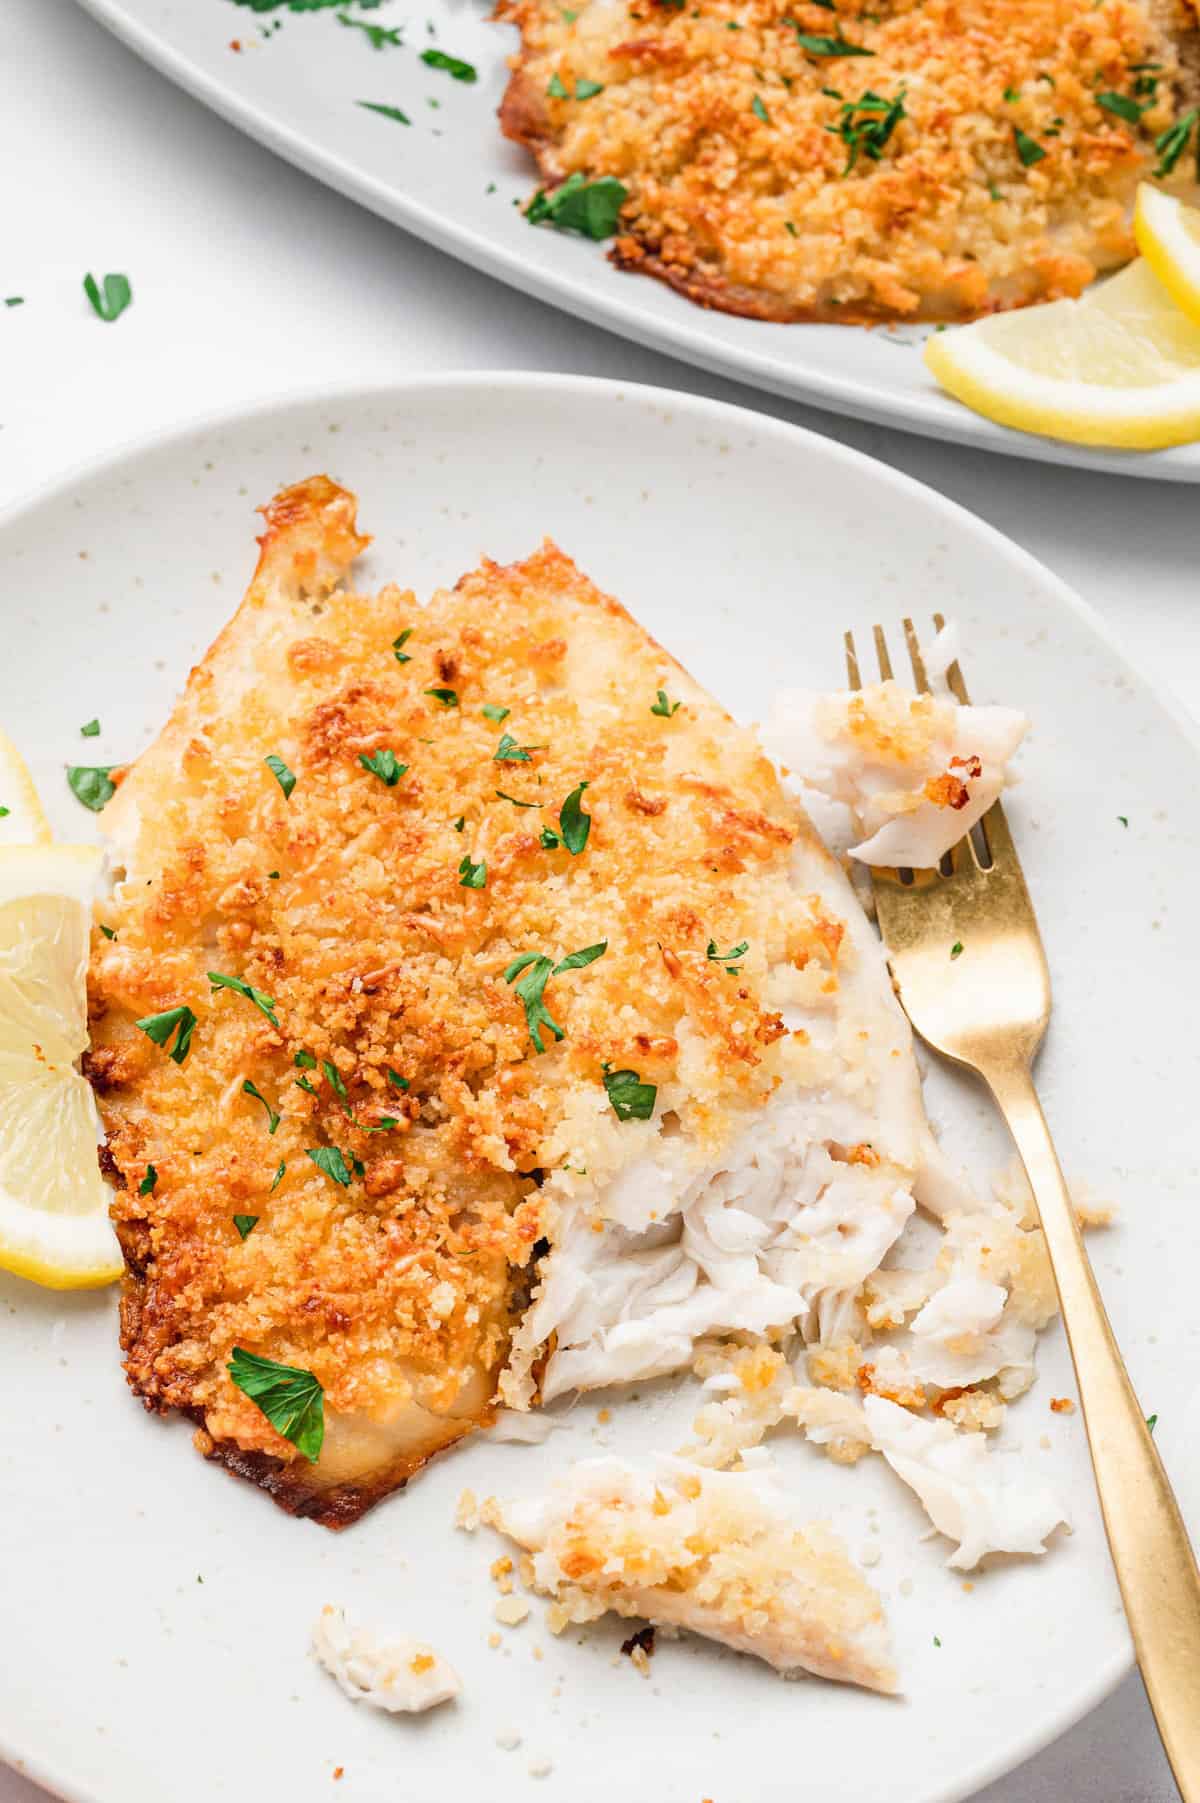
column 250, row 279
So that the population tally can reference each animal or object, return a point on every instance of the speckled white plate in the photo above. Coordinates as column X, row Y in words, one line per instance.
column 155, row 1611
column 292, row 80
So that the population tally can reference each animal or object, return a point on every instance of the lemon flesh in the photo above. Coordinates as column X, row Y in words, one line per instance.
column 54, row 1225
column 22, row 821
column 1168, row 236
column 1121, row 367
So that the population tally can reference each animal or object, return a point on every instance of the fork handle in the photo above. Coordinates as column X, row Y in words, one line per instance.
column 1154, row 1562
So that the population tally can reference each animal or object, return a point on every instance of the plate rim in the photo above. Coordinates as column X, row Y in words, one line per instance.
column 684, row 338
column 274, row 407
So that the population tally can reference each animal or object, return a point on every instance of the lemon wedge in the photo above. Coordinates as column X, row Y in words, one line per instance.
column 1168, row 236
column 22, row 822
column 1121, row 367
column 54, row 1225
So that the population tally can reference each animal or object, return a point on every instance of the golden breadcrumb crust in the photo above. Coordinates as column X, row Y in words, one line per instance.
column 727, row 133
column 343, row 903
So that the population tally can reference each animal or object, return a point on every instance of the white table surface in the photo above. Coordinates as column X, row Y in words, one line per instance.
column 251, row 279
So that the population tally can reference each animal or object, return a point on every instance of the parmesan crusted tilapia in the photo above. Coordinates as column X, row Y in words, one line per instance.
column 904, row 159
column 717, row 1553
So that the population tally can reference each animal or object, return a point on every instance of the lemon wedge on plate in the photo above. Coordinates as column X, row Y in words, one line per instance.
column 54, row 1225
column 22, row 821
column 1121, row 367
column 1168, row 236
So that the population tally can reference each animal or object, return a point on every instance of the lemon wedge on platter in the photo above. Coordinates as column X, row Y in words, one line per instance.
column 54, row 1225
column 1168, row 236
column 1120, row 367
column 22, row 821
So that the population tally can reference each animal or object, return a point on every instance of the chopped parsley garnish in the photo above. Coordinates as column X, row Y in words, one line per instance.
column 304, row 1084
column 956, row 950
column 632, row 1100
column 1028, row 149
column 759, row 110
column 447, row 697
column 490, row 711
column 509, row 752
column 330, row 1160
column 1124, row 819
column 277, row 1179
column 585, row 89
column 91, row 730
column 107, row 931
column 568, row 16
column 1152, row 1422
column 14, row 300
column 159, row 1027
column 4, row 813
column 1172, row 143
column 936, row 1641
column 304, row 1061
column 573, row 824
column 453, row 65
column 303, row 6
column 109, row 302
column 291, row 1399
column 385, row 765
column 273, row 1115
column 470, row 875
column 1011, row 94
column 279, row 770
column 459, row 823
column 398, row 652
column 333, row 1077
column 273, row 875
column 146, row 1186
column 555, row 88
column 789, row 227
column 592, row 208
column 219, row 980
column 664, row 707
column 830, row 46
column 1122, row 105
column 380, row 37
column 388, row 112
column 395, row 1077
column 730, row 958
column 91, row 785
column 538, row 970
column 245, row 1224
column 865, row 125
column 501, row 796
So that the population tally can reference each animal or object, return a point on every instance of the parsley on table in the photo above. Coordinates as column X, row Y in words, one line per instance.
column 664, row 707
column 471, row 875
column 447, row 697
column 1152, row 1422
column 146, row 1186
column 830, row 46
column 273, row 1116
column 1124, row 819
column 245, row 1224
column 277, row 1179
column 385, row 765
column 159, row 1027
column 398, row 652
column 401, row 118
column 265, row 1003
column 108, row 303
column 730, row 958
column 91, row 730
column 573, row 824
column 14, row 300
column 936, row 1641
column 490, row 711
column 759, row 110
column 632, row 1100
column 1028, row 149
column 454, row 66
column 865, row 125
column 304, row 6
column 291, row 1399
column 1172, row 143
column 538, row 970
column 330, row 1160
column 283, row 776
column 91, row 784
column 380, row 37
column 577, row 205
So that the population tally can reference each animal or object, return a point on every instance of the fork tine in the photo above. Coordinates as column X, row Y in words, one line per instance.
column 915, row 658
column 852, row 670
column 882, row 656
column 954, row 676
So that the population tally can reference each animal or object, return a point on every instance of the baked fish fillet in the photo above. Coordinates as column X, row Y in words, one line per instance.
column 630, row 1045
column 912, row 160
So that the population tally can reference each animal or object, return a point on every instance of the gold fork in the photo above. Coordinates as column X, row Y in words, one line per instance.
column 968, row 965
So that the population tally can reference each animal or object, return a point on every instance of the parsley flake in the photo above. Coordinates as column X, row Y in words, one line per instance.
column 936, row 1641
column 1124, row 819
column 395, row 1077
column 385, row 765
column 291, row 1399
column 91, row 730
column 146, row 1186
column 501, row 796
column 1172, row 143
column 632, row 1100
column 330, row 1160
column 246, row 1224
column 556, row 89
column 1152, row 1422
column 509, row 752
column 159, row 1027
column 219, row 980
column 14, row 300
column 491, row 712
column 865, row 125
column 470, row 875
column 380, row 37
column 110, row 302
column 459, row 823
column 1122, row 105
column 107, row 931
column 277, row 1179
column 538, row 970
column 830, row 46
column 273, row 1116
column 664, row 707
column 573, row 823
column 454, row 66
column 333, row 1077
column 759, row 110
column 398, row 652
column 585, row 89
column 387, row 112
column 304, row 1061
column 1028, row 149
column 91, row 785
column 447, row 697
column 283, row 776
column 577, row 205
column 730, row 958
column 956, row 950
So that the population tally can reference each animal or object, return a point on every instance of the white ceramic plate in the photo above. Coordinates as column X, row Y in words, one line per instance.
column 156, row 1612
column 451, row 178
